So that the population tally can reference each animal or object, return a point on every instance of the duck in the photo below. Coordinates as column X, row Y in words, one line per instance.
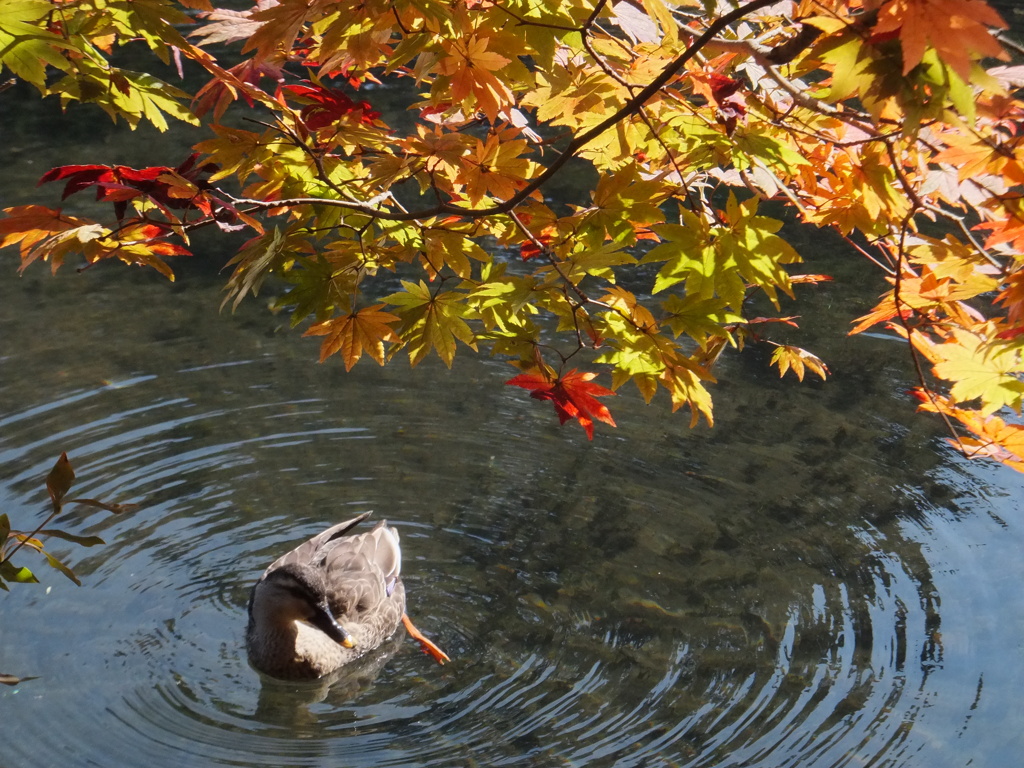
column 327, row 602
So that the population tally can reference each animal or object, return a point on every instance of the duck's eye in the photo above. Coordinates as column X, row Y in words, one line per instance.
column 299, row 594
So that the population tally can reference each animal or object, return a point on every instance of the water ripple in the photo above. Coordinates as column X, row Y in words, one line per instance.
column 593, row 618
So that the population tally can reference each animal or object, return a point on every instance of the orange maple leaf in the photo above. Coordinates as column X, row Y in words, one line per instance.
column 993, row 438
column 470, row 65
column 364, row 330
column 495, row 167
column 572, row 394
column 1012, row 297
column 1008, row 230
column 956, row 29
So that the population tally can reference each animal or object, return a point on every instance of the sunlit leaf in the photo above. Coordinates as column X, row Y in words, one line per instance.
column 573, row 394
column 364, row 330
column 57, row 564
column 799, row 360
column 13, row 573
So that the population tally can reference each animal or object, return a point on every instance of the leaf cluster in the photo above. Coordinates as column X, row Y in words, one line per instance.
column 58, row 482
column 879, row 119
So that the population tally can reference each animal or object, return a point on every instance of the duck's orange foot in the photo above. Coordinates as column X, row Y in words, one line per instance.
column 426, row 644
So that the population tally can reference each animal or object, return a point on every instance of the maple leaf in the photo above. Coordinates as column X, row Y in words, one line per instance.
column 625, row 203
column 809, row 279
column 471, row 67
column 731, row 105
column 26, row 46
column 502, row 302
column 1012, row 297
column 280, row 23
column 134, row 96
column 572, row 394
column 226, row 85
column 495, row 167
column 227, row 26
column 325, row 106
column 700, row 319
column 722, row 261
column 987, row 372
column 682, row 378
column 994, row 438
column 431, row 321
column 955, row 28
column 37, row 228
column 531, row 250
column 799, row 360
column 168, row 188
column 363, row 330
column 443, row 247
column 1009, row 227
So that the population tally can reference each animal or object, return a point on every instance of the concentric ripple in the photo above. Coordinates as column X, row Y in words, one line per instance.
column 805, row 588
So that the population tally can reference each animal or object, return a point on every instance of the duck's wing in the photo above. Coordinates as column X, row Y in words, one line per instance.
column 362, row 574
column 315, row 550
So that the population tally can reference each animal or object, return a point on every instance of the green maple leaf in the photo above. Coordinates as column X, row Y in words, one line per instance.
column 317, row 289
column 596, row 261
column 698, row 318
column 26, row 47
column 757, row 251
column 622, row 201
column 689, row 256
column 848, row 55
column 135, row 96
column 501, row 301
column 634, row 351
column 982, row 372
column 431, row 321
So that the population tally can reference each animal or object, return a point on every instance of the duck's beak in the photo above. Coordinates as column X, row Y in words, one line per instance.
column 324, row 620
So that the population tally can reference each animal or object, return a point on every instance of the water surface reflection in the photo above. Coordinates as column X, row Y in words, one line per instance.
column 812, row 583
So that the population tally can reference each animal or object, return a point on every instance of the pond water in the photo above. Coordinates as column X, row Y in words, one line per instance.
column 817, row 581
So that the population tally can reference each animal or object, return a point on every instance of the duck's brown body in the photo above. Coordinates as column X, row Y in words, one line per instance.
column 327, row 602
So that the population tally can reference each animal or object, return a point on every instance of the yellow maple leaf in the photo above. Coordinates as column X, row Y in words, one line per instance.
column 799, row 360
column 682, row 378
column 495, row 167
column 987, row 372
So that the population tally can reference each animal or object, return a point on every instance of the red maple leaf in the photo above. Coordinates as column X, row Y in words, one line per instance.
column 530, row 249
column 118, row 184
column 723, row 87
column 572, row 394
column 325, row 106
column 731, row 106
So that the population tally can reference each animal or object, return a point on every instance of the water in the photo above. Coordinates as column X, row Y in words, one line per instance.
column 817, row 581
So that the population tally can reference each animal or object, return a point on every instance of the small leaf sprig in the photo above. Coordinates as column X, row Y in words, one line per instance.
column 58, row 483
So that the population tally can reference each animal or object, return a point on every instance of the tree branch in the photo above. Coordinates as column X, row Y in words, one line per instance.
column 631, row 106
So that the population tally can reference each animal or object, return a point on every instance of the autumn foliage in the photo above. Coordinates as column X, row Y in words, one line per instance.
column 895, row 123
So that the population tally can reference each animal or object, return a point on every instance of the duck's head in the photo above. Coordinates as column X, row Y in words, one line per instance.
column 294, row 592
